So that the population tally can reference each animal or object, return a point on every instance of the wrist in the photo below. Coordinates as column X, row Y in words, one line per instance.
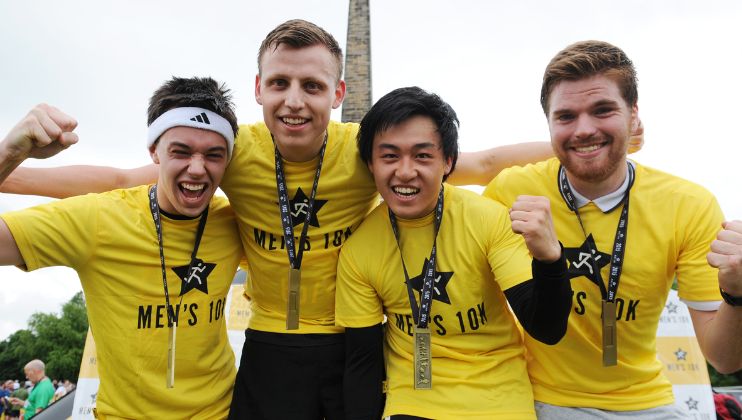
column 731, row 299
column 11, row 155
column 554, row 255
column 551, row 270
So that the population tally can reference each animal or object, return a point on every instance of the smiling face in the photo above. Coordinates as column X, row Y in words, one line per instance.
column 298, row 89
column 590, row 125
column 192, row 163
column 408, row 166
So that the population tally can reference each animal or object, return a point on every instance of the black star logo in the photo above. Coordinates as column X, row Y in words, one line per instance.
column 299, row 206
column 580, row 263
column 196, row 279
column 440, row 281
column 680, row 354
column 671, row 308
column 692, row 404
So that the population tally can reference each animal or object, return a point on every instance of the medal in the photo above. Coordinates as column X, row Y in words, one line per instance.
column 172, row 318
column 610, row 344
column 294, row 255
column 170, row 382
column 292, row 305
column 423, row 357
column 423, row 378
column 608, row 311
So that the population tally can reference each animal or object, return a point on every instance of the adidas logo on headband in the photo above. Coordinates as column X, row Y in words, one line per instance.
column 202, row 118
column 184, row 117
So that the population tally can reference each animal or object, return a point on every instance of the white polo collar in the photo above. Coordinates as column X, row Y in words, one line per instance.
column 607, row 202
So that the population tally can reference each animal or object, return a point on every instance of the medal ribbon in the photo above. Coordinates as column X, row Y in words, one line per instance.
column 155, row 209
column 619, row 243
column 421, row 316
column 284, row 203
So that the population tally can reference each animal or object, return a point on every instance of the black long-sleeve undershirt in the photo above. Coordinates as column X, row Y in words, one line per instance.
column 543, row 303
column 364, row 373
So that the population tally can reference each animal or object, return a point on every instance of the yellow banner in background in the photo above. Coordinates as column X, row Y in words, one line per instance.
column 89, row 363
column 682, row 360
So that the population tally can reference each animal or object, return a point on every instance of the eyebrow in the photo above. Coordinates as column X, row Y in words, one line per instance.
column 422, row 145
column 598, row 103
column 185, row 146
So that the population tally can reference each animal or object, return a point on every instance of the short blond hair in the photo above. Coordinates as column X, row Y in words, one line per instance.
column 298, row 33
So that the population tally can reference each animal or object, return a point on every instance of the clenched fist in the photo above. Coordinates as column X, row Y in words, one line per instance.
column 44, row 132
column 530, row 217
column 726, row 255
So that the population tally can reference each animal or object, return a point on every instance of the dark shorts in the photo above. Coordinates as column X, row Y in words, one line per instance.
column 289, row 376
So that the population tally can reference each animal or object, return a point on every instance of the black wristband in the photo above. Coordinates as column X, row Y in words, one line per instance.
column 729, row 299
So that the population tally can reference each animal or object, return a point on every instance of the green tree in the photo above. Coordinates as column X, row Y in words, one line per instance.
column 57, row 340
column 717, row 379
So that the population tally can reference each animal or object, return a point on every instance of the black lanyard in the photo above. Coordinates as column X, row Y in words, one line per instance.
column 155, row 208
column 284, row 204
column 421, row 316
column 619, row 244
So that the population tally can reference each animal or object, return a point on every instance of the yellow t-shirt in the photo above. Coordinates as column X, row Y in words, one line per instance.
column 110, row 240
column 346, row 193
column 478, row 364
column 671, row 225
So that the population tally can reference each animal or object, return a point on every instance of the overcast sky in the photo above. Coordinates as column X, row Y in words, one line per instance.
column 100, row 61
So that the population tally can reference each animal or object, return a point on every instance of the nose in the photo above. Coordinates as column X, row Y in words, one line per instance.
column 197, row 166
column 406, row 169
column 584, row 127
column 294, row 97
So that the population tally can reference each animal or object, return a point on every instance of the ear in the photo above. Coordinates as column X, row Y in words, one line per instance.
column 153, row 154
column 635, row 120
column 370, row 166
column 258, row 98
column 449, row 163
column 339, row 94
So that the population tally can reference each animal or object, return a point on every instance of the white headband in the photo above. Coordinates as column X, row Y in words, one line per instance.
column 191, row 117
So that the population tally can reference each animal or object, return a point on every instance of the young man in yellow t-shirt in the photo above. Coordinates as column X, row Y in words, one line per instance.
column 442, row 264
column 155, row 261
column 628, row 230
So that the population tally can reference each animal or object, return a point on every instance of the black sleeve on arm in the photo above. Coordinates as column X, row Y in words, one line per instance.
column 364, row 373
column 543, row 303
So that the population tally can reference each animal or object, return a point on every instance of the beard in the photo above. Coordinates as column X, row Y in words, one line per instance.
column 593, row 170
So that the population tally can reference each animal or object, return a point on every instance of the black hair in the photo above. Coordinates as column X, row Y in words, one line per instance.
column 399, row 106
column 201, row 92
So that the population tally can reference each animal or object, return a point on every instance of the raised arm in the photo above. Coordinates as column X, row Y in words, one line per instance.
column 43, row 132
column 543, row 303
column 75, row 180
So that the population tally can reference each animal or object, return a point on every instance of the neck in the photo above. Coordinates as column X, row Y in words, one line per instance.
column 300, row 154
column 163, row 203
column 592, row 190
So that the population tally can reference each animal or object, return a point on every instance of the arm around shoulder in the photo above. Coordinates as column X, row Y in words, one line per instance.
column 479, row 168
column 75, row 180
